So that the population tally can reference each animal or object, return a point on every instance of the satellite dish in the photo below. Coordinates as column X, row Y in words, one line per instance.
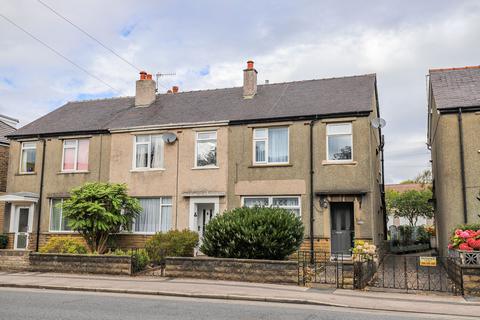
column 378, row 123
column 169, row 137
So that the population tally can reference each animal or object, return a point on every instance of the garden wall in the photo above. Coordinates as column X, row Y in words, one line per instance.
column 78, row 263
column 471, row 280
column 12, row 260
column 268, row 271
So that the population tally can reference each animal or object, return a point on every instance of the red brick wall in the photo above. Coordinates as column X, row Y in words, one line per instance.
column 3, row 167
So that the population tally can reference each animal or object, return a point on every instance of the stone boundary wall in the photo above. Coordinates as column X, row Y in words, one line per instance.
column 267, row 271
column 79, row 263
column 13, row 260
column 471, row 279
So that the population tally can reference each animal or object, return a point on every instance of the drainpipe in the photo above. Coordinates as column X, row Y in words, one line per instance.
column 462, row 165
column 312, row 207
column 40, row 195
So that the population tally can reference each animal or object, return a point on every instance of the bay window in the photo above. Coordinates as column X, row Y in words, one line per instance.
column 148, row 152
column 339, row 142
column 270, row 145
column 27, row 157
column 290, row 203
column 75, row 155
column 156, row 215
column 206, row 149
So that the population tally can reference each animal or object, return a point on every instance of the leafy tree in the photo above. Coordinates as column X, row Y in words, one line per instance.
column 424, row 177
column 411, row 204
column 96, row 210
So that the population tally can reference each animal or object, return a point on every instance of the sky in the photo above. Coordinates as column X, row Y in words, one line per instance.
column 206, row 44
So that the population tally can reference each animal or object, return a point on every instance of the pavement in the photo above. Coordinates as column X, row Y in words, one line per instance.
column 242, row 291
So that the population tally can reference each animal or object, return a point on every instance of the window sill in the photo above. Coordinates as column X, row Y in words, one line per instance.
column 342, row 163
column 205, row 168
column 74, row 172
column 147, row 170
column 269, row 165
column 25, row 173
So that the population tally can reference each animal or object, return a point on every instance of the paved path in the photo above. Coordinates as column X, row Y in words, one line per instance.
column 20, row 304
column 445, row 305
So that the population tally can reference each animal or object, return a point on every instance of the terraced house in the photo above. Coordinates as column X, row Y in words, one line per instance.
column 308, row 146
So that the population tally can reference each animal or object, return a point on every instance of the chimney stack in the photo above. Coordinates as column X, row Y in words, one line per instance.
column 175, row 89
column 145, row 90
column 249, row 81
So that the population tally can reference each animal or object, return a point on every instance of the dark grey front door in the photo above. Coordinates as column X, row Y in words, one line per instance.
column 342, row 227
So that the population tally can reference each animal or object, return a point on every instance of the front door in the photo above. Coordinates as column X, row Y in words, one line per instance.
column 342, row 227
column 204, row 212
column 22, row 218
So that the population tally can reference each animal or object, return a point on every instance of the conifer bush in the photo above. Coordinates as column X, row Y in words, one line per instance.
column 253, row 233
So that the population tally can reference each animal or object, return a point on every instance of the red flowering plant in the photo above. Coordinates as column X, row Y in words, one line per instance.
column 465, row 240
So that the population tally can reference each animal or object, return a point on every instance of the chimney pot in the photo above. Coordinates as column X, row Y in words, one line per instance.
column 145, row 90
column 249, row 81
column 175, row 89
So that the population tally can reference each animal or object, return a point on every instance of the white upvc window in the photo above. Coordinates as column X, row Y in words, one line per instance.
column 58, row 222
column 75, row 155
column 270, row 145
column 148, row 152
column 206, row 149
column 27, row 157
column 291, row 203
column 339, row 142
column 156, row 215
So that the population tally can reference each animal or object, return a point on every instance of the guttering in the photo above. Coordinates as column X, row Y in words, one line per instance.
column 40, row 195
column 462, row 165
column 312, row 207
column 171, row 126
column 302, row 117
column 465, row 109
column 55, row 134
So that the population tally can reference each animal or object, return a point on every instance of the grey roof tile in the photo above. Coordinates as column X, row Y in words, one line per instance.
column 456, row 87
column 5, row 130
column 290, row 99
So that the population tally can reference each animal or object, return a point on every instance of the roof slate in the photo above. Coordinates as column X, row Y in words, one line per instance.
column 5, row 130
column 291, row 99
column 456, row 87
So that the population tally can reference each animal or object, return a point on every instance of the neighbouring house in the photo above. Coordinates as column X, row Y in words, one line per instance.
column 402, row 187
column 7, row 126
column 453, row 128
column 306, row 146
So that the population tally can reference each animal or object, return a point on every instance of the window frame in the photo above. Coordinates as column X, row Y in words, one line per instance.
column 270, row 202
column 210, row 166
column 22, row 148
column 75, row 169
column 61, row 217
column 327, row 135
column 254, row 144
column 159, row 212
column 149, row 151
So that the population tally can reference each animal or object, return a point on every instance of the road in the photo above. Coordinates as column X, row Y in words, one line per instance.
column 22, row 304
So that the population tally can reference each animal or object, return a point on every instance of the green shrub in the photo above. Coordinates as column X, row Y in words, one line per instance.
column 3, row 241
column 140, row 259
column 64, row 245
column 173, row 243
column 253, row 233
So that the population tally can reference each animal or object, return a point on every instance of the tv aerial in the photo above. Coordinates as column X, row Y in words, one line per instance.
column 158, row 75
column 378, row 123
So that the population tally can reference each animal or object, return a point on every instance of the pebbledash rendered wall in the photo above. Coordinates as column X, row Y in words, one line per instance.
column 249, row 270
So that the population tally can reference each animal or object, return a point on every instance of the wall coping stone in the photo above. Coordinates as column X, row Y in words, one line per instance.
column 193, row 259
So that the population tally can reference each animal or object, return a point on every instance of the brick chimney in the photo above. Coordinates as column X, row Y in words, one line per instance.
column 145, row 90
column 249, row 81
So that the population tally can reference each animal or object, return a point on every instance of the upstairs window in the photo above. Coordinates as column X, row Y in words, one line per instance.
column 58, row 222
column 75, row 155
column 27, row 158
column 148, row 152
column 339, row 142
column 206, row 149
column 270, row 145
